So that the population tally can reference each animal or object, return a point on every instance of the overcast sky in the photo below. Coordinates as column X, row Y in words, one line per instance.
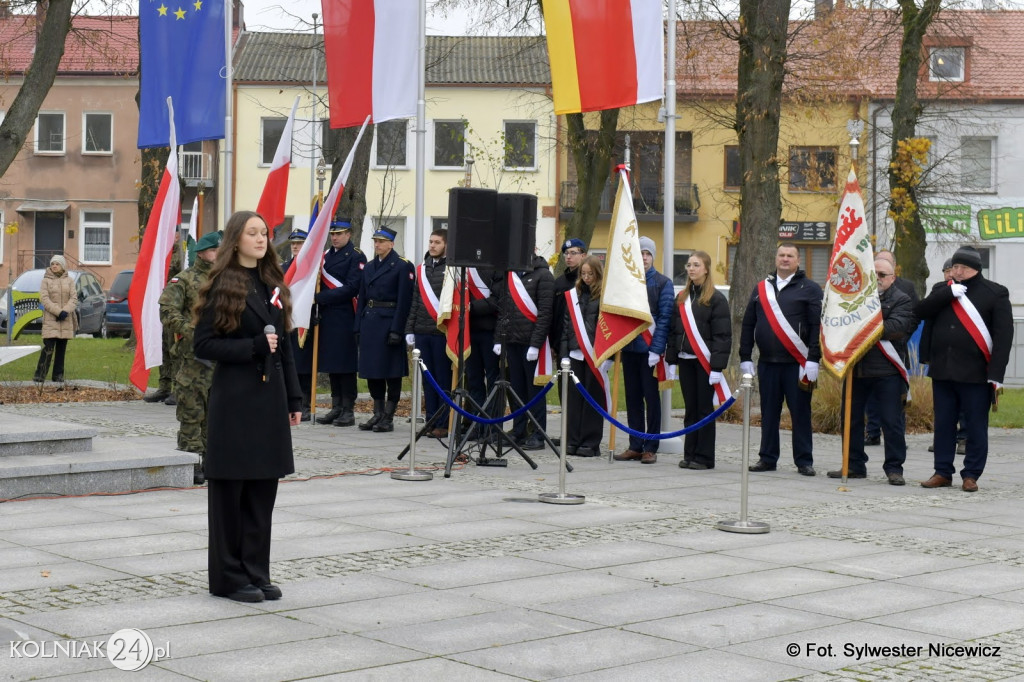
column 271, row 15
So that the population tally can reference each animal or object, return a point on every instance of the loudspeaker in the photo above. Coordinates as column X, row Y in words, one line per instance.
column 516, row 228
column 471, row 238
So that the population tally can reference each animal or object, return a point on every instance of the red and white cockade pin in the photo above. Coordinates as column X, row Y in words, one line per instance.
column 275, row 297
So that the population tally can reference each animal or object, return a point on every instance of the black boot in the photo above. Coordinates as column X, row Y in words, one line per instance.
column 378, row 414
column 333, row 414
column 159, row 396
column 347, row 416
column 305, row 405
column 387, row 420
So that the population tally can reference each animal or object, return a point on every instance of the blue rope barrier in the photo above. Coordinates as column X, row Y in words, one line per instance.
column 652, row 436
column 480, row 420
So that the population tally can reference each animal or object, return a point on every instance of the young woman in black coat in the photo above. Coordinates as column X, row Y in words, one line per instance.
column 711, row 315
column 585, row 427
column 242, row 322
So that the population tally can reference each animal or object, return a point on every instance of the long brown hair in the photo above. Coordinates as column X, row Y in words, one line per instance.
column 596, row 267
column 707, row 288
column 229, row 283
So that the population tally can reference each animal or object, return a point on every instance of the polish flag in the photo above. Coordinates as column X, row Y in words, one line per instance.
column 275, row 192
column 305, row 268
column 371, row 51
column 625, row 312
column 604, row 55
column 151, row 269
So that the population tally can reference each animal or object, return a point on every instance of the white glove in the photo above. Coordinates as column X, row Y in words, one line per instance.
column 996, row 385
column 606, row 366
column 811, row 371
column 532, row 354
column 410, row 339
column 715, row 378
column 652, row 359
column 496, row 349
column 747, row 368
column 958, row 289
column 576, row 355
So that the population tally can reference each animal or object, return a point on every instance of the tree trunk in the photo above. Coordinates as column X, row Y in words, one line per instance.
column 592, row 156
column 909, row 239
column 352, row 206
column 38, row 79
column 762, row 42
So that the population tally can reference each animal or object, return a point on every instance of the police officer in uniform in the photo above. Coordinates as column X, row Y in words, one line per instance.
column 339, row 283
column 303, row 357
column 385, row 297
column 192, row 377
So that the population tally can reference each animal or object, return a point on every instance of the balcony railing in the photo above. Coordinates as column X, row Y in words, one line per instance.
column 648, row 198
column 196, row 168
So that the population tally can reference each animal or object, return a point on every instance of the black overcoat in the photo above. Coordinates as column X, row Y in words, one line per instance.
column 249, row 436
column 337, row 345
column 390, row 282
column 713, row 324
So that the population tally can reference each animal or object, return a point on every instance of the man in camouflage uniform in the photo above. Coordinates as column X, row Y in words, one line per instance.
column 192, row 378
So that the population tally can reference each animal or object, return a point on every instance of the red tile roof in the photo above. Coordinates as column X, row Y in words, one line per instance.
column 95, row 45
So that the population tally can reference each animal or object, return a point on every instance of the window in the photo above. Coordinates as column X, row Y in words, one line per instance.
column 812, row 169
column 733, row 178
column 814, row 261
column 97, row 133
column 449, row 144
column 520, row 145
column 977, row 166
column 50, row 133
column 679, row 261
column 272, row 129
column 439, row 223
column 97, row 227
column 946, row 64
column 391, row 144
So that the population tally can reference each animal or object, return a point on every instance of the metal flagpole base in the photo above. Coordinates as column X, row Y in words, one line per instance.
column 561, row 498
column 412, row 475
column 749, row 527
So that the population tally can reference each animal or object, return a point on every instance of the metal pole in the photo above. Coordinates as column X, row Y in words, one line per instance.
column 669, row 191
column 313, row 121
column 743, row 525
column 412, row 474
column 229, row 151
column 560, row 497
column 421, row 134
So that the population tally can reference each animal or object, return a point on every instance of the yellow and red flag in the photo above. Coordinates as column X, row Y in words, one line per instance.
column 604, row 54
column 453, row 297
column 851, row 315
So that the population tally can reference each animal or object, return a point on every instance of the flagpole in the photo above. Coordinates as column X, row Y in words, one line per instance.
column 229, row 11
column 615, row 404
column 312, row 125
column 316, row 353
column 847, row 409
column 421, row 133
column 669, row 193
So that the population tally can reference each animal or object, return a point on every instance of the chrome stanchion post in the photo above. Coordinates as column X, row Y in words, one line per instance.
column 412, row 474
column 743, row 525
column 560, row 497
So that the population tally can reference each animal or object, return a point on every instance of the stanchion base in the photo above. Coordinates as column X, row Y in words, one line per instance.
column 410, row 475
column 750, row 527
column 560, row 498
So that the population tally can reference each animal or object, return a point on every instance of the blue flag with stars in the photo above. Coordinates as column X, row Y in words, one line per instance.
column 183, row 57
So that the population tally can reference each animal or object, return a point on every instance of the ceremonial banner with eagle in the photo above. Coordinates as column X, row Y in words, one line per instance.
column 851, row 315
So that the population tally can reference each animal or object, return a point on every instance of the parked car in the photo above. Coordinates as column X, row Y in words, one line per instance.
column 28, row 315
column 119, row 318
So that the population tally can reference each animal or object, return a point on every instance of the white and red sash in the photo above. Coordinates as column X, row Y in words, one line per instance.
column 478, row 289
column 784, row 331
column 524, row 302
column 661, row 370
column 889, row 351
column 701, row 350
column 427, row 295
column 326, row 278
column 975, row 326
column 576, row 315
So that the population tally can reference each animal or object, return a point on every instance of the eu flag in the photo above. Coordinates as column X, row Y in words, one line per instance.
column 183, row 57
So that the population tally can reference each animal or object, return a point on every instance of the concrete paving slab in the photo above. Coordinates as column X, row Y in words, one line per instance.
column 608, row 554
column 686, row 569
column 349, row 589
column 638, row 606
column 60, row 572
column 156, row 543
column 473, row 572
column 453, row 532
column 774, row 583
column 972, row 618
column 697, row 665
column 425, row 669
column 424, row 609
column 803, row 551
column 156, row 564
column 229, row 634
column 549, row 588
column 971, row 580
column 888, row 565
column 860, row 602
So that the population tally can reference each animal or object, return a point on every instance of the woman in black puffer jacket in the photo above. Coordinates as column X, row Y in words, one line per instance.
column 585, row 427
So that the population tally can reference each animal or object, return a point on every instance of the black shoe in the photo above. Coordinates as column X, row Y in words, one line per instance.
column 806, row 471
column 872, row 440
column 570, row 450
column 532, row 443
column 197, row 475
column 156, row 397
column 587, row 451
column 249, row 593
column 305, row 415
column 761, row 466
column 697, row 466
column 849, row 474
column 270, row 592
column 556, row 441
column 684, row 464
column 895, row 479
column 170, row 400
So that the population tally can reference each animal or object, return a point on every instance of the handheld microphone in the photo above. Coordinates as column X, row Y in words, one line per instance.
column 269, row 329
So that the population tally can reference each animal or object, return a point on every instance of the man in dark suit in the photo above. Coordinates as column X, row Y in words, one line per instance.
column 385, row 297
column 968, row 333
column 337, row 353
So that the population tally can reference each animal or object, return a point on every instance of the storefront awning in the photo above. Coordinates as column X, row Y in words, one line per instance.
column 43, row 207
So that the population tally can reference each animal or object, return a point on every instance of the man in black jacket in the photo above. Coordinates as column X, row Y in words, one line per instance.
column 575, row 252
column 968, row 333
column 782, row 375
column 881, row 375
column 421, row 328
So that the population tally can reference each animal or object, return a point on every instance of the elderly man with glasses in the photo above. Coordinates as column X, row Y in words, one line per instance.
column 881, row 375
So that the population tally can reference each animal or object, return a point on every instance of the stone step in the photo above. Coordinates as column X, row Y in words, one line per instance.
column 112, row 465
column 20, row 435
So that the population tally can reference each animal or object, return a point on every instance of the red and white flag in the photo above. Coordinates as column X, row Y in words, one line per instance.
column 305, row 268
column 453, row 297
column 625, row 312
column 371, row 50
column 604, row 55
column 851, row 315
column 151, row 268
column 275, row 193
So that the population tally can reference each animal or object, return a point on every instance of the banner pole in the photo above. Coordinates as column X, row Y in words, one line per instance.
column 847, row 410
column 615, row 403
column 316, row 345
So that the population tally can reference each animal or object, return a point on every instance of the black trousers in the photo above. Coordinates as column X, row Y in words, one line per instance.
column 643, row 401
column 951, row 399
column 435, row 356
column 585, row 427
column 390, row 387
column 240, row 515
column 778, row 381
column 887, row 394
column 699, row 395
column 343, row 385
column 53, row 349
column 520, row 375
column 481, row 366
